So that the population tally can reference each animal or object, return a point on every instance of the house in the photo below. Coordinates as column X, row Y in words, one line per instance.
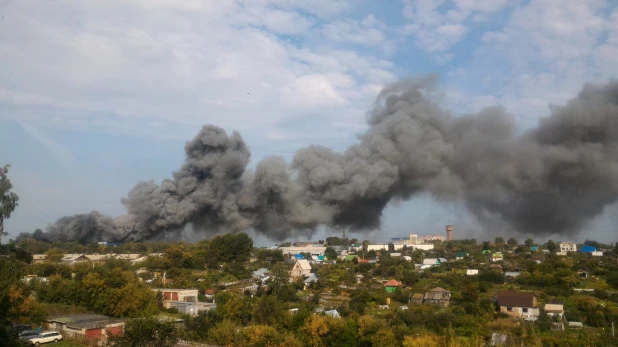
column 359, row 278
column 403, row 308
column 437, row 296
column 318, row 259
column 333, row 313
column 416, row 298
column 568, row 247
column 301, row 268
column 311, row 279
column 511, row 275
column 518, row 304
column 86, row 327
column 557, row 326
column 583, row 273
column 460, row 255
column 407, row 258
column 184, row 295
column 588, row 249
column 575, row 325
column 554, row 310
column 498, row 256
column 209, row 294
column 72, row 259
column 260, row 274
column 597, row 254
column 190, row 308
column 97, row 258
column 562, row 254
column 534, row 248
column 299, row 256
column 293, row 311
column 472, row 272
column 498, row 339
column 392, row 285
column 38, row 258
column 383, row 307
column 433, row 261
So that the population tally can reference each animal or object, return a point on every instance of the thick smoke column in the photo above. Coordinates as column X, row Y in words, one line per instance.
column 550, row 179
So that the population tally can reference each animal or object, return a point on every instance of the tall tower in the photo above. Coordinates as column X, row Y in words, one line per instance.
column 449, row 233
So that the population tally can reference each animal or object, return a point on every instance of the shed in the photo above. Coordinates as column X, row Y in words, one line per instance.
column 460, row 255
column 534, row 248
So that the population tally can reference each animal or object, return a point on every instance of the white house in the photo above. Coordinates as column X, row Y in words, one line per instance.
column 472, row 272
column 568, row 247
column 301, row 268
column 554, row 310
column 597, row 254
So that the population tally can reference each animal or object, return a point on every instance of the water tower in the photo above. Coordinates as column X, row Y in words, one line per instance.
column 449, row 233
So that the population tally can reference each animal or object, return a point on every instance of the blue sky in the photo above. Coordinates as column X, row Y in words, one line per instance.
column 95, row 96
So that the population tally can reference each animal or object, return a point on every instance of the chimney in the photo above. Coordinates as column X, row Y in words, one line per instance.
column 449, row 233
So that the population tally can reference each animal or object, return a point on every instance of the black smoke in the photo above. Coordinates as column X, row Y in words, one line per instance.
column 551, row 179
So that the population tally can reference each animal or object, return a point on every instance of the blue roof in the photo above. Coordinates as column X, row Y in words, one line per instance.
column 299, row 256
column 588, row 249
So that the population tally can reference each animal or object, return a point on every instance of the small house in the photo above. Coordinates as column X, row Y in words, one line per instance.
column 407, row 258
column 38, row 258
column 534, row 248
column 333, row 314
column 72, row 259
column 437, row 296
column 184, row 295
column 301, row 268
column 416, row 298
column 576, row 325
column 498, row 256
column 392, row 285
column 557, row 326
column 460, row 255
column 554, row 310
column 568, row 247
column 472, row 272
column 518, row 304
column 582, row 273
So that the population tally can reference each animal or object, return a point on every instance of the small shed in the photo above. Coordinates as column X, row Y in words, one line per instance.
column 460, row 255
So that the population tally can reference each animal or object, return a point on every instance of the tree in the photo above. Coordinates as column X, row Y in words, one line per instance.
column 330, row 253
column 148, row 332
column 551, row 246
column 279, row 279
column 8, row 199
column 499, row 240
column 512, row 242
column 529, row 242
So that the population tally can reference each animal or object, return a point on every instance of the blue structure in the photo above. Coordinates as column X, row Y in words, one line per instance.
column 588, row 249
column 299, row 256
column 534, row 248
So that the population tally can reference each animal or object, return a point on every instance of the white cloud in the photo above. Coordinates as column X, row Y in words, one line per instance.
column 188, row 63
column 439, row 24
column 350, row 31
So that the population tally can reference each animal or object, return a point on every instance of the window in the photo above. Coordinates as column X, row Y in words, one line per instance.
column 510, row 309
column 524, row 310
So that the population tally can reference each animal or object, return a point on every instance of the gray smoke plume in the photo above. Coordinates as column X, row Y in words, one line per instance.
column 550, row 179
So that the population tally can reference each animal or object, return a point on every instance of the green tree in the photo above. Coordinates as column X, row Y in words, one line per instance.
column 330, row 253
column 279, row 280
column 551, row 246
column 529, row 242
column 512, row 242
column 8, row 199
column 499, row 240
column 148, row 332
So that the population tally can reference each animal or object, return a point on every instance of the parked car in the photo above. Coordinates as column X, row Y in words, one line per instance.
column 46, row 337
column 18, row 328
column 27, row 335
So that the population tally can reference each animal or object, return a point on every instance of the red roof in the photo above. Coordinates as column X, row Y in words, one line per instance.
column 210, row 291
column 363, row 261
column 392, row 283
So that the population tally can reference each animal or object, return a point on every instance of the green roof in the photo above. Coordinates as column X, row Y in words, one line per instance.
column 350, row 257
column 461, row 254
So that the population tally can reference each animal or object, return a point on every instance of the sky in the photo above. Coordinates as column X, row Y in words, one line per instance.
column 98, row 95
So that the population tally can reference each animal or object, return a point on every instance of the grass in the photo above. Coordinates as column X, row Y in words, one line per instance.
column 67, row 344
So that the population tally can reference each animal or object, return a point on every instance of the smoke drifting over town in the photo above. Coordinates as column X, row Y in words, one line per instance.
column 551, row 179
